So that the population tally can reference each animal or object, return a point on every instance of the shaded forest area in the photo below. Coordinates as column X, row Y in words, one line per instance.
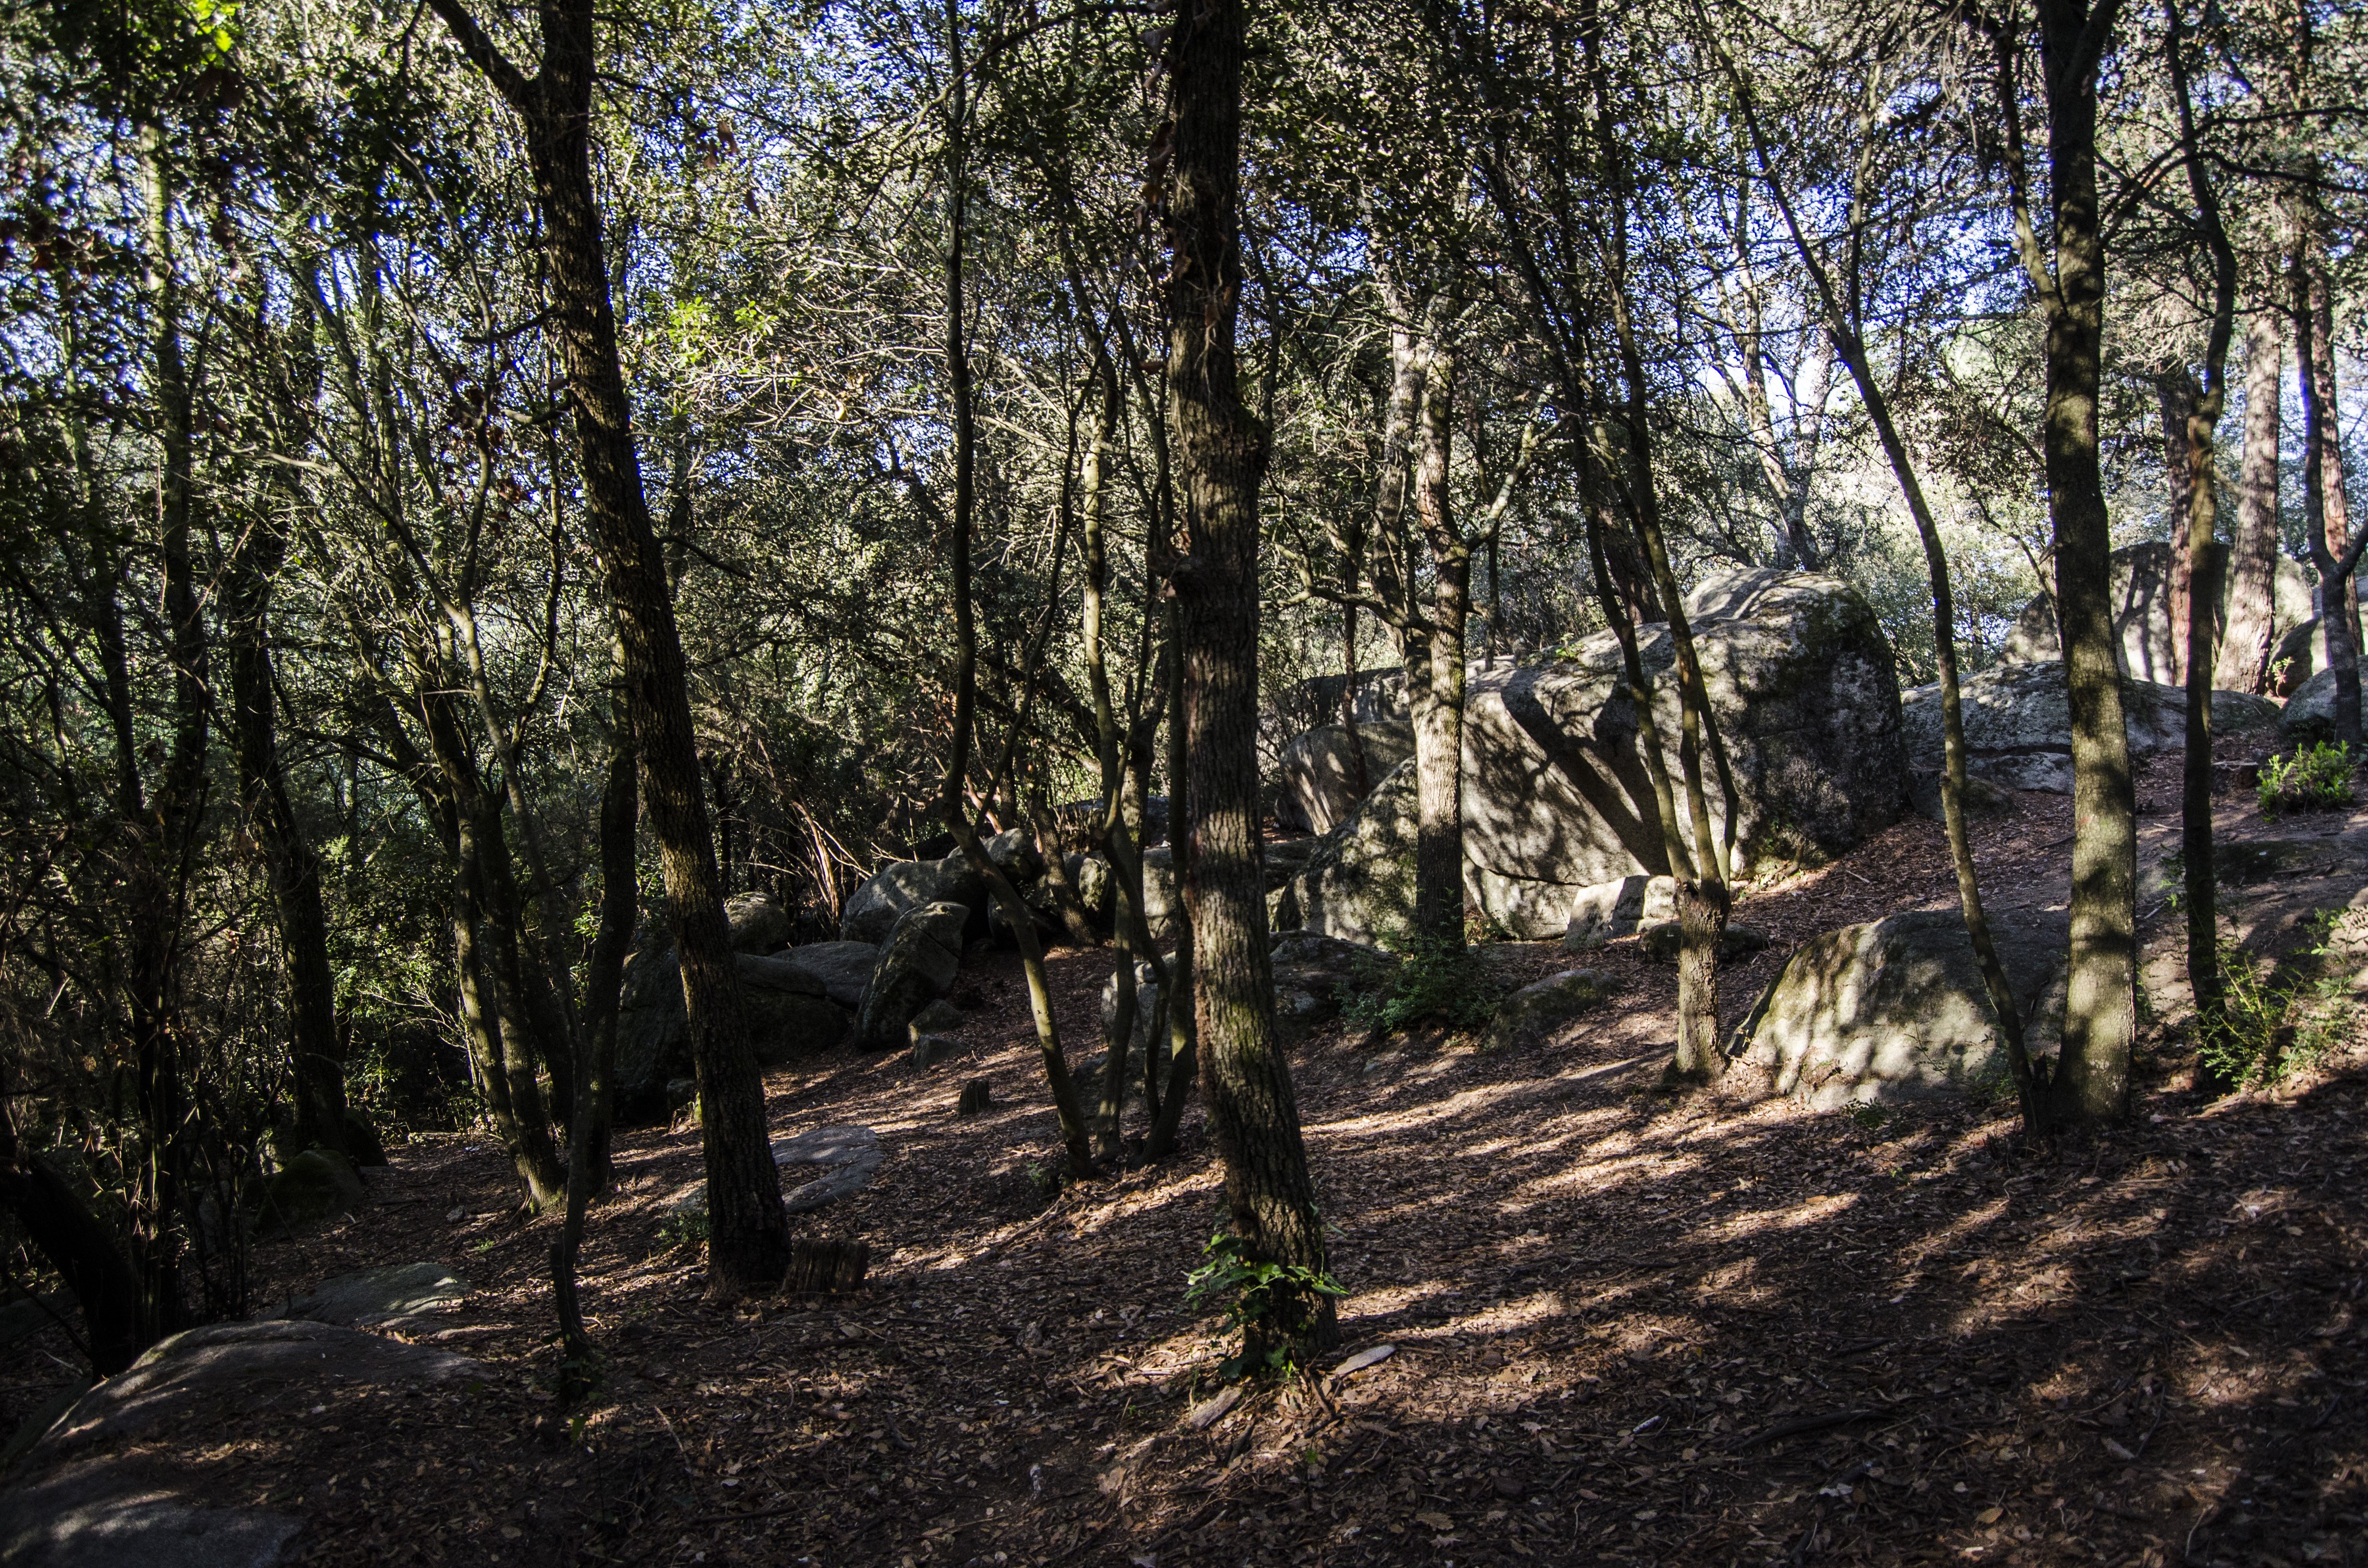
column 1170, row 783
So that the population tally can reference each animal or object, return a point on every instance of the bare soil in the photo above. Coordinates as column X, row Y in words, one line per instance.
column 1624, row 1327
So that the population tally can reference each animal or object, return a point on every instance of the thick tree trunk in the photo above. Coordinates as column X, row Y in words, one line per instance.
column 2246, row 644
column 1221, row 453
column 2101, row 1015
column 1438, row 723
column 748, row 1230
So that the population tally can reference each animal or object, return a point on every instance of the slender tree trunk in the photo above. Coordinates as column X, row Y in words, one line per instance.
column 2322, row 476
column 2092, row 1083
column 748, row 1231
column 1175, row 996
column 2247, row 641
column 1439, row 722
column 952, row 804
column 2175, row 391
column 1221, row 453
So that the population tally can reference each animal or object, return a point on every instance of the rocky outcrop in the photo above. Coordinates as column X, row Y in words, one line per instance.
column 380, row 1295
column 1357, row 881
column 759, row 922
column 905, row 884
column 916, row 965
column 2148, row 649
column 118, row 1478
column 1548, row 1012
column 1895, row 1009
column 2309, row 715
column 798, row 1002
column 790, row 1014
column 1315, row 976
column 1318, row 783
column 844, row 968
column 1556, row 796
column 2018, row 721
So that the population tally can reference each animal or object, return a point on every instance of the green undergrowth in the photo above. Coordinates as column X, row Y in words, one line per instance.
column 1432, row 981
column 2317, row 778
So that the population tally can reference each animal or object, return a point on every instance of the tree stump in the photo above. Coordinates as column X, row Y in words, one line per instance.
column 975, row 1097
column 819, row 1267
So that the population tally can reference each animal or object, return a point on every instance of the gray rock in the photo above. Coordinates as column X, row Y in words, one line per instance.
column 2141, row 614
column 917, row 964
column 1547, row 1012
column 1146, row 1005
column 2309, row 716
column 1163, row 901
column 2300, row 654
column 315, row 1185
column 245, row 1363
column 375, row 1295
column 2018, row 722
column 798, row 1002
column 759, row 923
column 904, row 885
column 1014, row 854
column 1556, row 796
column 929, row 1049
column 1044, row 914
column 1603, row 912
column 827, row 1164
column 1895, row 1009
column 1318, row 787
column 844, row 968
column 937, row 1017
column 1097, row 887
column 107, row 1511
column 1359, row 880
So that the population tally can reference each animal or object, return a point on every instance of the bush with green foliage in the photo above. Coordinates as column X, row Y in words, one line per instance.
column 1432, row 981
column 1254, row 1293
column 2316, row 778
column 2280, row 1022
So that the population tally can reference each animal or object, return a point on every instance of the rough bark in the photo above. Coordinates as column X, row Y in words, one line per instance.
column 1439, row 719
column 748, row 1232
column 2093, row 1081
column 2246, row 645
column 2324, row 511
column 1221, row 455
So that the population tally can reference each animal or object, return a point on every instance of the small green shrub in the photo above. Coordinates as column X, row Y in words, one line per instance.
column 685, row 1228
column 2316, row 778
column 2272, row 1025
column 1431, row 981
column 1270, row 1300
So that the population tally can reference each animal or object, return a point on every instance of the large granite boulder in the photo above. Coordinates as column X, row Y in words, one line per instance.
column 907, row 884
column 2299, row 655
column 1358, row 883
column 790, row 1014
column 2018, row 722
column 2147, row 649
column 380, row 1295
column 844, row 968
column 1549, row 1011
column 1556, row 796
column 2309, row 715
column 760, row 923
column 1895, row 1009
column 125, row 1475
column 916, row 965
column 1318, row 789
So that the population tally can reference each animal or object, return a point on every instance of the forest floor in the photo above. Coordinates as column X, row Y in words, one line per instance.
column 1625, row 1327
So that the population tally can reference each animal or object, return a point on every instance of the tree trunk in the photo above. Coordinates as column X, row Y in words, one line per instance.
column 1175, row 997
column 748, row 1230
column 2246, row 644
column 1221, row 453
column 2324, row 509
column 63, row 1229
column 1439, row 722
column 293, row 870
column 2175, row 393
column 2092, row 1083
